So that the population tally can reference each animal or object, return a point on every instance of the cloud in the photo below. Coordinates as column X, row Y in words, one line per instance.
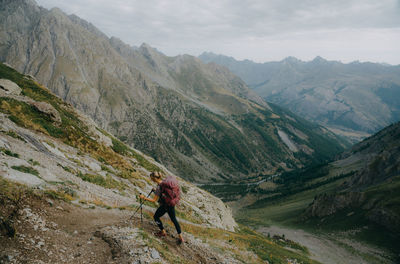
column 188, row 26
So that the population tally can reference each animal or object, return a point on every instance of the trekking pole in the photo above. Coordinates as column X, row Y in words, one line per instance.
column 141, row 205
column 141, row 213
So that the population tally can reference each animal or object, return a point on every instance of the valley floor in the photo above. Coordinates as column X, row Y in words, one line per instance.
column 330, row 249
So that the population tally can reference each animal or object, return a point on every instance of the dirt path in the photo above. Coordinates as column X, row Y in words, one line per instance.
column 329, row 250
column 58, row 232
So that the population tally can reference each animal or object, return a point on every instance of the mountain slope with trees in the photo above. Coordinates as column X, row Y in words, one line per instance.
column 200, row 120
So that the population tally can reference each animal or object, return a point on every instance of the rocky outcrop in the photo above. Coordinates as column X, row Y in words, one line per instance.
column 9, row 87
column 213, row 210
column 49, row 110
column 12, row 90
column 372, row 190
column 325, row 205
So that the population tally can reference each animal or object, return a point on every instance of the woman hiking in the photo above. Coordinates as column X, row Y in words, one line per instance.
column 167, row 194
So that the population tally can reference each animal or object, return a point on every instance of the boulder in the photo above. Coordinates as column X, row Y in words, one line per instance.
column 48, row 109
column 9, row 87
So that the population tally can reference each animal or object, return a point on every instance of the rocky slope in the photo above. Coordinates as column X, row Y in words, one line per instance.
column 199, row 120
column 355, row 99
column 68, row 190
column 374, row 188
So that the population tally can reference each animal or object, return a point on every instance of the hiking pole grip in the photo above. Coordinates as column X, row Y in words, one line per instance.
column 141, row 204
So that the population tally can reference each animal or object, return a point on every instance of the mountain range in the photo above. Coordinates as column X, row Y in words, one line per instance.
column 354, row 99
column 200, row 120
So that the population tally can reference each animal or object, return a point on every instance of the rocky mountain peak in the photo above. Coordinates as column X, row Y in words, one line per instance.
column 292, row 59
column 319, row 59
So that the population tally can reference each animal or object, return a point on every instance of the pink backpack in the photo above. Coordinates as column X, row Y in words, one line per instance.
column 170, row 191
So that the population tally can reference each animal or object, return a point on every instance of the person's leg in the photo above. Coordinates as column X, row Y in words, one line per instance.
column 172, row 216
column 160, row 212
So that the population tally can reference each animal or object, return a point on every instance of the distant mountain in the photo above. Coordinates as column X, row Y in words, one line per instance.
column 200, row 120
column 355, row 99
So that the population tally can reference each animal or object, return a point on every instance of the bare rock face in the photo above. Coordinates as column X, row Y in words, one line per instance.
column 10, row 87
column 325, row 205
column 212, row 209
column 49, row 110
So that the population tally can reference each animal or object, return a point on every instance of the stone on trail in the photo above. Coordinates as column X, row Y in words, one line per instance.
column 155, row 254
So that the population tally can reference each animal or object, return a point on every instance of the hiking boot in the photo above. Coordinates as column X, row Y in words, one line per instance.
column 180, row 241
column 160, row 234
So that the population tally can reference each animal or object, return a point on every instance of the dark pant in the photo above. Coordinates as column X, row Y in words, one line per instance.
column 171, row 212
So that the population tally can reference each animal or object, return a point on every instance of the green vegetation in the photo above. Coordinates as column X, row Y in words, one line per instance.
column 11, row 197
column 220, row 141
column 9, row 152
column 325, row 144
column 33, row 162
column 59, row 195
column 286, row 206
column 123, row 149
column 107, row 182
column 26, row 169
column 14, row 135
column 247, row 239
column 66, row 168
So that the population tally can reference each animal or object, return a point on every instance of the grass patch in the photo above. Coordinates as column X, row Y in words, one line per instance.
column 67, row 169
column 9, row 152
column 26, row 169
column 245, row 239
column 123, row 149
column 107, row 182
column 14, row 135
column 28, row 116
column 13, row 198
column 33, row 162
column 59, row 195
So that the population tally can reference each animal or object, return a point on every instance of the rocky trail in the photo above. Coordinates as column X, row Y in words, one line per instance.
column 52, row 231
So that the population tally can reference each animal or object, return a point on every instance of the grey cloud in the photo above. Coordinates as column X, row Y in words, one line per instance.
column 177, row 26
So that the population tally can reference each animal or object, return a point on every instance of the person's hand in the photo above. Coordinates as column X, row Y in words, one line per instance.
column 141, row 196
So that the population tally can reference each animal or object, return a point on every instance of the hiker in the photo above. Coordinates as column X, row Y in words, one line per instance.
column 167, row 194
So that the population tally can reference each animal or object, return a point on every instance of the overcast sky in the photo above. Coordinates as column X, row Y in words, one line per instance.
column 259, row 30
